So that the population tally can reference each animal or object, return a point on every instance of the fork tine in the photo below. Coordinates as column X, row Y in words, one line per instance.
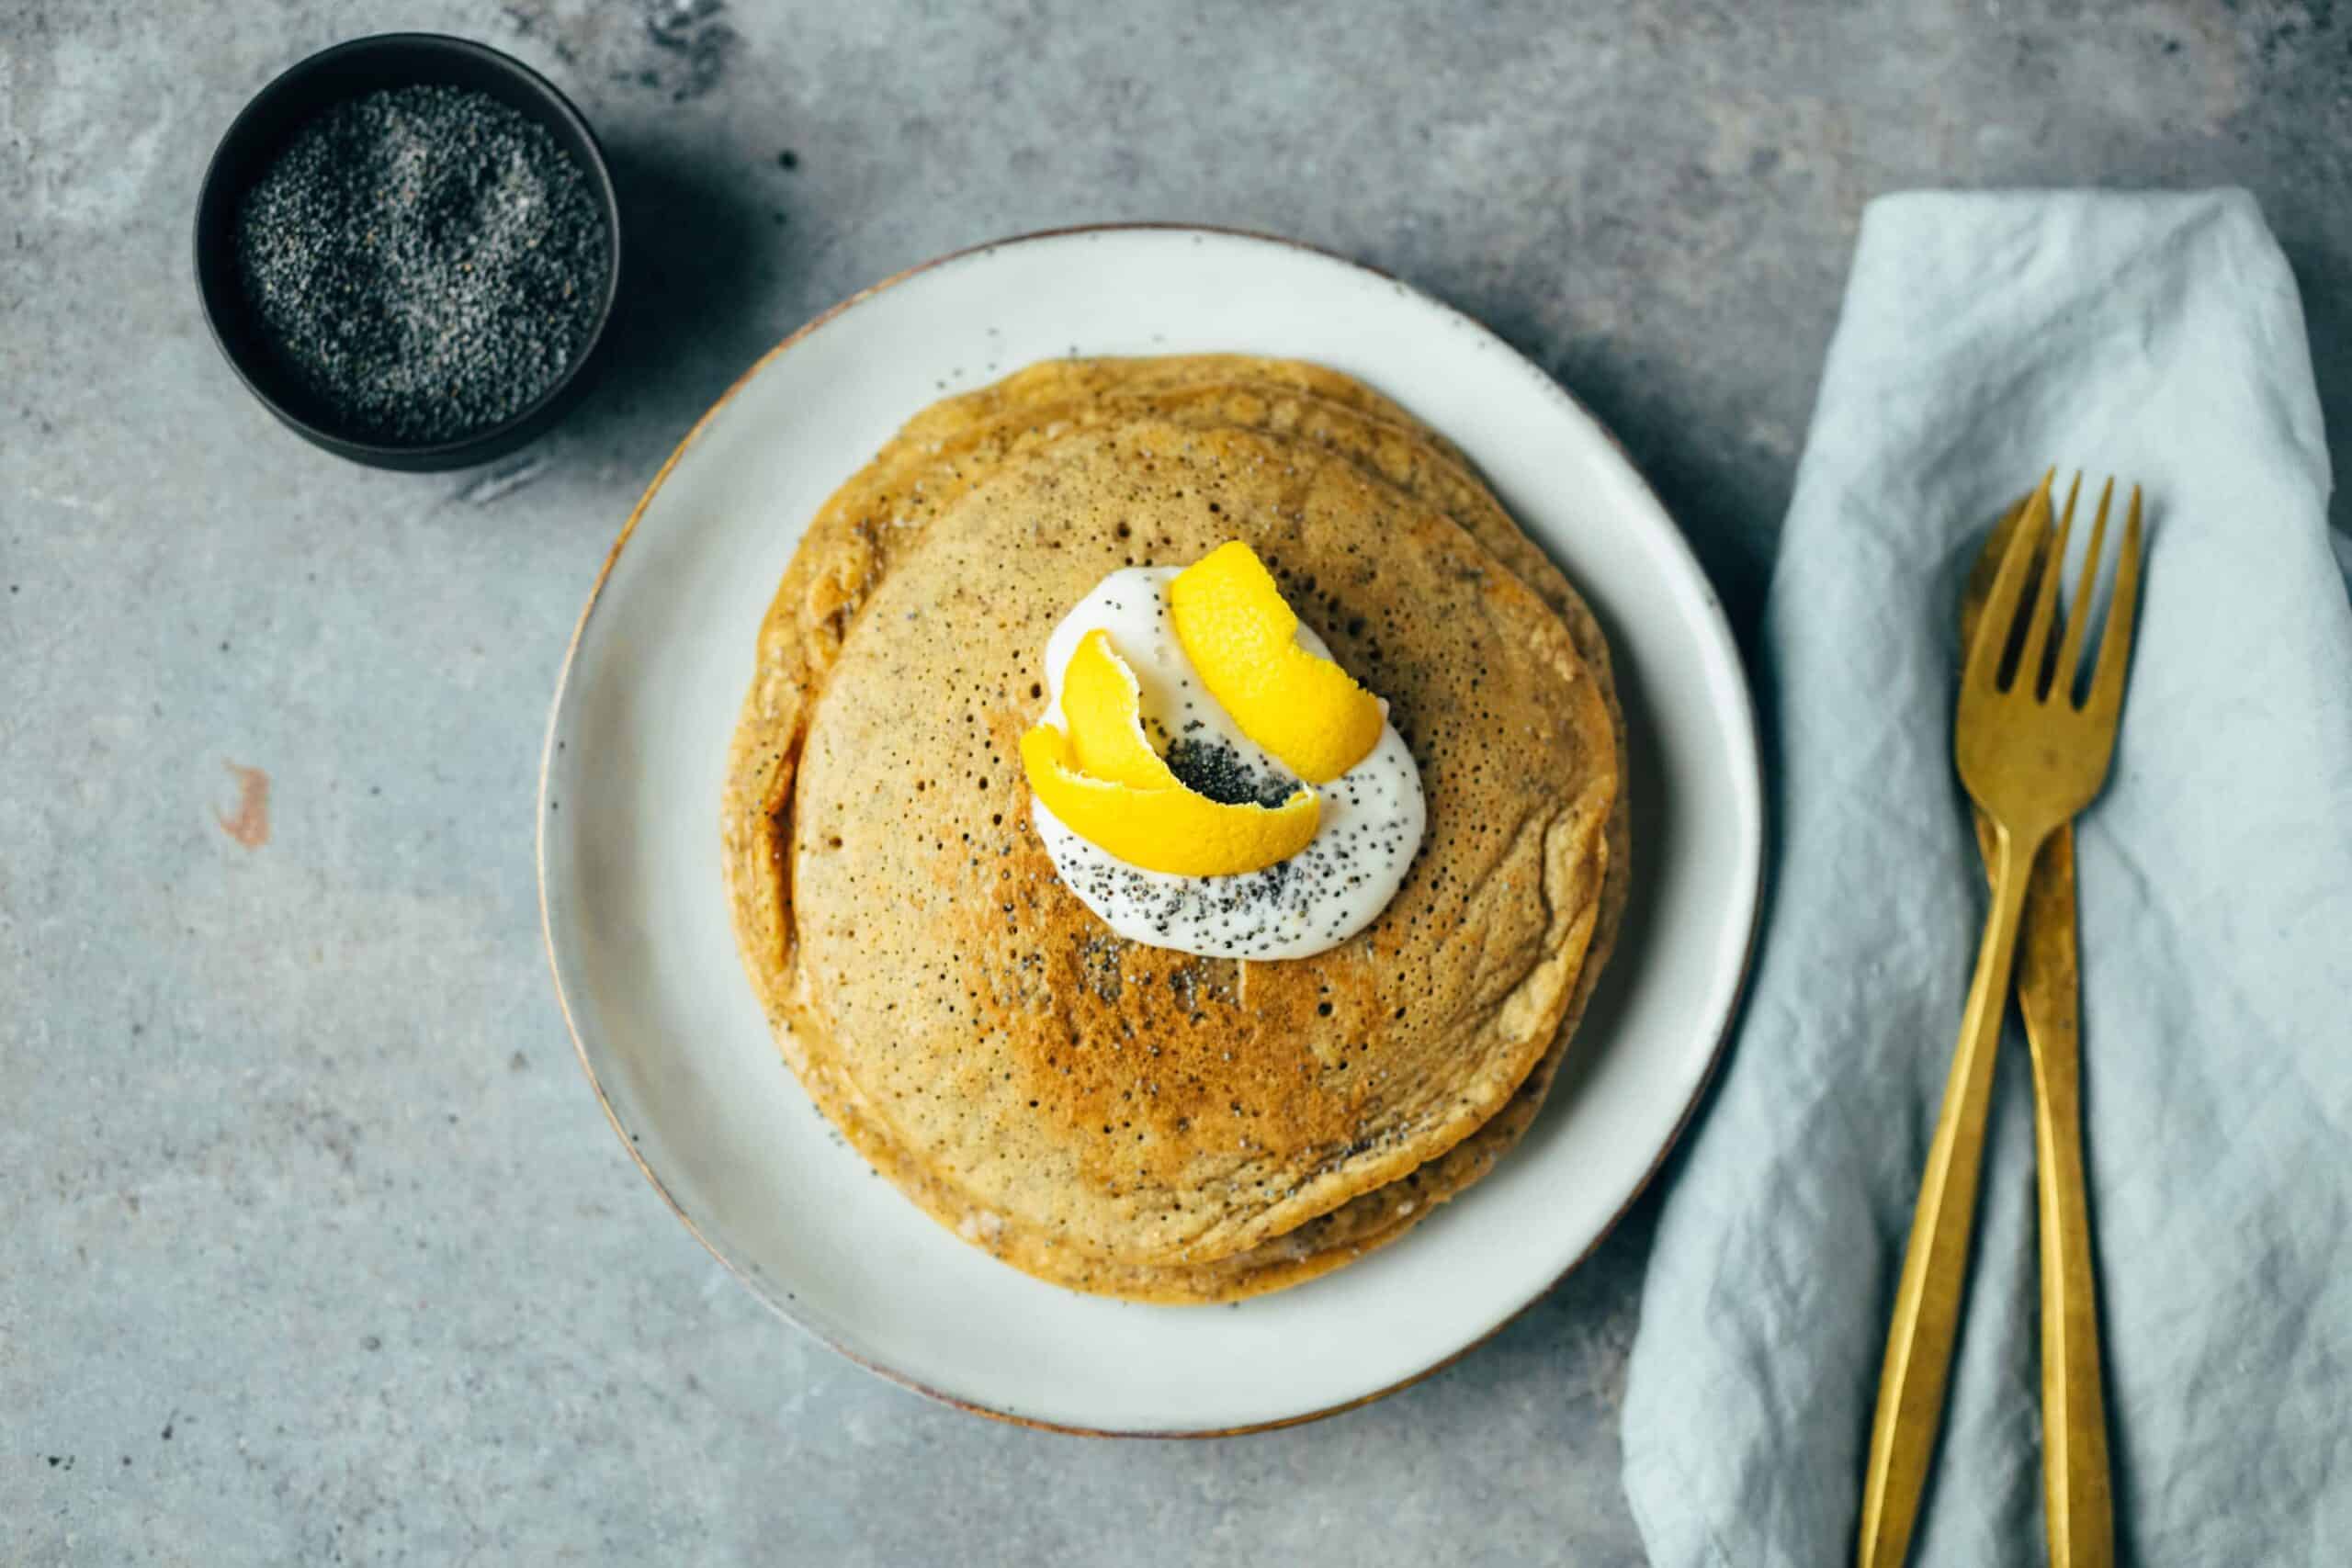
column 2106, row 699
column 2045, row 601
column 1999, row 617
column 2078, row 614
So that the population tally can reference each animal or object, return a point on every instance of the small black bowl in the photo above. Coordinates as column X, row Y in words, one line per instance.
column 259, row 133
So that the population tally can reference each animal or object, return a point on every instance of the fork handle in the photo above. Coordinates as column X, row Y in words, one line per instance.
column 2077, row 1503
column 1935, row 1266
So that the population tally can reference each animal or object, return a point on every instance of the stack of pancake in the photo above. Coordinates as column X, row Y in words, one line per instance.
column 1119, row 1118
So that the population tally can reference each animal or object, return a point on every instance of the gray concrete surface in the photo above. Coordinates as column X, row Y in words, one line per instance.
column 313, row 1246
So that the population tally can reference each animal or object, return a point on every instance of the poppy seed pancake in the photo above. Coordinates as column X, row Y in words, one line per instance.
column 942, row 558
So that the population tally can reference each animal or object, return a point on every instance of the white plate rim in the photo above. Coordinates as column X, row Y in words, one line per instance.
column 1749, row 784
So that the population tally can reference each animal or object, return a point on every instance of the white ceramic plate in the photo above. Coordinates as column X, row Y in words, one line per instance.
column 645, row 960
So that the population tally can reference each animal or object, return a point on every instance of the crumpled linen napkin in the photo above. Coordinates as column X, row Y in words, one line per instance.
column 1985, row 337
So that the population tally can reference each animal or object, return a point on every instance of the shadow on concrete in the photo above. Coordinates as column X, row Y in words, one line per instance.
column 1719, row 509
column 689, row 320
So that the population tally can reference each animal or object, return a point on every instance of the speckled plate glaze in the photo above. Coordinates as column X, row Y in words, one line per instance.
column 645, row 962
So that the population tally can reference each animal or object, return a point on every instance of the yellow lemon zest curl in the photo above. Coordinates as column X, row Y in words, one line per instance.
column 1242, row 640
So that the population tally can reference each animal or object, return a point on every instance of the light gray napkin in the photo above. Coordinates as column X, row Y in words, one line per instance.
column 1985, row 337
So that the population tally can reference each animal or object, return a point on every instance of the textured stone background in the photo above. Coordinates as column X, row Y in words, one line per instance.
column 312, row 1244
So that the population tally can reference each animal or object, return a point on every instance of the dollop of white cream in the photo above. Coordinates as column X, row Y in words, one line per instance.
column 1370, row 825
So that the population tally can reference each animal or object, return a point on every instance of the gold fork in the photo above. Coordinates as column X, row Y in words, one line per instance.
column 2031, row 757
column 2077, row 1508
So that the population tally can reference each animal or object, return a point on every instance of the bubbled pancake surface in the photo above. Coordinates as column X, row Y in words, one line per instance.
column 1258, row 1186
column 1150, row 1108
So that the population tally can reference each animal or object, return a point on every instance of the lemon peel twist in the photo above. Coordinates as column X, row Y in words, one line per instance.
column 1106, row 783
column 1103, row 702
column 1172, row 830
column 1241, row 637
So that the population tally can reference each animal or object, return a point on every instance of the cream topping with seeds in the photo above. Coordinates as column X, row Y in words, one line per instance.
column 1373, row 815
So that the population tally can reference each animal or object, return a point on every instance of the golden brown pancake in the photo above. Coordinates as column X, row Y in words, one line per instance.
column 1238, row 1239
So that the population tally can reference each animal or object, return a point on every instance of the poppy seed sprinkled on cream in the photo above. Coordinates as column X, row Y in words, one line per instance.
column 1214, row 769
column 1371, row 826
